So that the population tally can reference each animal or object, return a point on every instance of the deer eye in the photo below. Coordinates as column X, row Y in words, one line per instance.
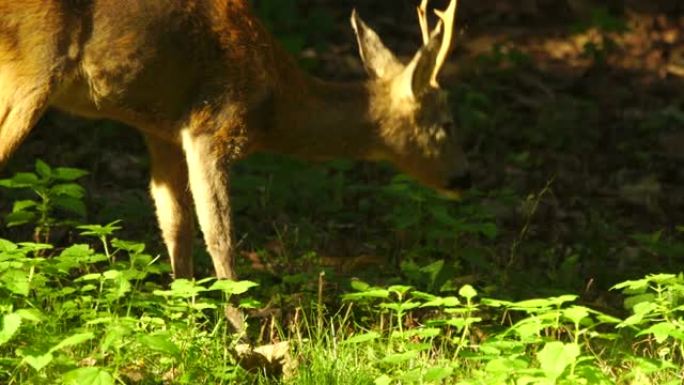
column 448, row 127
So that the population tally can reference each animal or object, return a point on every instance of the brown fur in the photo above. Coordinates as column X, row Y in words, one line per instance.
column 207, row 84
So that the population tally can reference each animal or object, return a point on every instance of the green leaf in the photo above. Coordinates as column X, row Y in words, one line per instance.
column 399, row 289
column 7, row 246
column 359, row 285
column 402, row 306
column 556, row 356
column 419, row 346
column 528, row 328
column 489, row 230
column 16, row 281
column 412, row 376
column 201, row 306
column 423, row 332
column 442, row 302
column 542, row 303
column 24, row 180
column 31, row 315
column 424, row 296
column 73, row 340
column 641, row 311
column 460, row 323
column 23, row 205
column 38, row 362
column 115, row 336
column 88, row 376
column 68, row 174
column 605, row 318
column 89, row 277
column 131, row 247
column 652, row 365
column 505, row 365
column 662, row 279
column 71, row 204
column 594, row 375
column 72, row 190
column 467, row 292
column 438, row 374
column 249, row 303
column 233, row 287
column 111, row 274
column 360, row 338
column 18, row 218
column 442, row 216
column 10, row 326
column 75, row 253
column 398, row 358
column 383, row 380
column 99, row 230
column 181, row 288
column 375, row 293
column 43, row 169
column 433, row 271
column 576, row 314
column 661, row 331
column 638, row 285
column 160, row 343
column 87, row 288
column 635, row 301
column 32, row 247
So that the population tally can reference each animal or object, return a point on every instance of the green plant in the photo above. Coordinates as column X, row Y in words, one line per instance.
column 53, row 190
column 657, row 304
column 81, row 316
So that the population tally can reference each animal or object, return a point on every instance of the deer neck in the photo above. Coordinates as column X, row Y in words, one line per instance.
column 318, row 120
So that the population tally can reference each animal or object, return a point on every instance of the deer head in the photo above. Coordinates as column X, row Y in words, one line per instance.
column 415, row 123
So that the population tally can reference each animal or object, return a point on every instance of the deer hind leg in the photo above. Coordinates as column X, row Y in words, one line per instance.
column 21, row 105
column 169, row 188
column 209, row 186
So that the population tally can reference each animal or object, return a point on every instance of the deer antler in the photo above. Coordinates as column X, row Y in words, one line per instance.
column 423, row 20
column 448, row 18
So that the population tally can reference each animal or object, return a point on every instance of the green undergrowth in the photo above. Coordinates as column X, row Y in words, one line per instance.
column 78, row 316
column 100, row 310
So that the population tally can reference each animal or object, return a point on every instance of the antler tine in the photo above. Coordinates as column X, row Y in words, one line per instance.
column 423, row 20
column 448, row 18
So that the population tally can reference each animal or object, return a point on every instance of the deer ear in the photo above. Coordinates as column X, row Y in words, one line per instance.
column 417, row 76
column 379, row 61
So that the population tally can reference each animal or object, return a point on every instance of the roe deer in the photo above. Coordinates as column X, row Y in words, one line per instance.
column 206, row 84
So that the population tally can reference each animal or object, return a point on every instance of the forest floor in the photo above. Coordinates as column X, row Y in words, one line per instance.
column 579, row 103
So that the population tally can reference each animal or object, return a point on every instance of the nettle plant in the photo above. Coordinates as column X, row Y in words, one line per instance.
column 79, row 316
column 52, row 191
column 418, row 337
column 94, row 312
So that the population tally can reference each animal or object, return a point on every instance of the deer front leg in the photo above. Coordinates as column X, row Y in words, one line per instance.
column 171, row 194
column 209, row 185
